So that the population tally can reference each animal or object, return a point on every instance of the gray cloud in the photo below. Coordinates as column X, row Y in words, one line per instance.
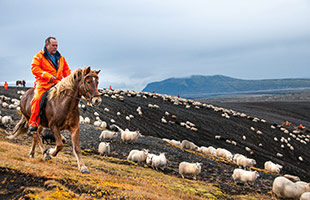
column 136, row 42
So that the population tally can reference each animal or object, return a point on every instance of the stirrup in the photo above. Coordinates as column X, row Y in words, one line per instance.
column 33, row 128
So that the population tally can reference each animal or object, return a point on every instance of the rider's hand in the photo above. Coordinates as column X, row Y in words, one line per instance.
column 53, row 78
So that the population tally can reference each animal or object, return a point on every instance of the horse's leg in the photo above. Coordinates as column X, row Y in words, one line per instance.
column 59, row 143
column 33, row 146
column 36, row 139
column 75, row 135
column 39, row 141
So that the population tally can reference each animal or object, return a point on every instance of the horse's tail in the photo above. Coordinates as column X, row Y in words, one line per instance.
column 20, row 128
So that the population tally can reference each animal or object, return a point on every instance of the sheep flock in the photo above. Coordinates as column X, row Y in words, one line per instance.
column 190, row 139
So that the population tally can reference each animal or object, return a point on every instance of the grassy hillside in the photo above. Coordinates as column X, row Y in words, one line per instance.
column 110, row 178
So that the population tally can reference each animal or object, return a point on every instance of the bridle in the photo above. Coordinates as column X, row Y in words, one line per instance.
column 88, row 96
column 86, row 88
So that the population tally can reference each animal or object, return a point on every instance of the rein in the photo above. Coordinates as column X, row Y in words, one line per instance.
column 88, row 96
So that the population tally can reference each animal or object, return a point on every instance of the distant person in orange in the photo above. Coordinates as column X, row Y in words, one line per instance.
column 153, row 91
column 6, row 85
column 48, row 67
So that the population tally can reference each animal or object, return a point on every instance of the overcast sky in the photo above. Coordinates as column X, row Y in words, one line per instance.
column 135, row 42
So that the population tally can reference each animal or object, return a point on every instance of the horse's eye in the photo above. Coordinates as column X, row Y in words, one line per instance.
column 88, row 82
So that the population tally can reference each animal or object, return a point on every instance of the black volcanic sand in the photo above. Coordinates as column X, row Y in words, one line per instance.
column 209, row 124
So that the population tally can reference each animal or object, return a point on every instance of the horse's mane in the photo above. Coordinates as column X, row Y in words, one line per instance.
column 65, row 84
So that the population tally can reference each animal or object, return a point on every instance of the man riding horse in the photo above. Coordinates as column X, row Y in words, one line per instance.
column 62, row 104
column 48, row 67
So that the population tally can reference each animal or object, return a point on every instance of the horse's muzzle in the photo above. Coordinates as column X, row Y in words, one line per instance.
column 96, row 101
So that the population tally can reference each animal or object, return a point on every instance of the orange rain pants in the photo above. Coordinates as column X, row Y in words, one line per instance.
column 43, row 70
column 35, row 106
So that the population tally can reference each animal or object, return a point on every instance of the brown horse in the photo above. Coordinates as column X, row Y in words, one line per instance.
column 61, row 112
column 22, row 83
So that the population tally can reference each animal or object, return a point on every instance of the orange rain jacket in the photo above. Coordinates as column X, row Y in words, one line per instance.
column 43, row 69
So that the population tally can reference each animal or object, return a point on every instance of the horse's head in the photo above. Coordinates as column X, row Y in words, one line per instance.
column 88, row 86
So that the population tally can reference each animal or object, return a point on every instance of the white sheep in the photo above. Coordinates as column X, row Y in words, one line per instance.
column 182, row 124
column 190, row 123
column 284, row 188
column 223, row 153
column 236, row 156
column 217, row 137
column 166, row 140
column 163, row 120
column 108, row 135
column 175, row 142
column 6, row 120
column 138, row 156
column 193, row 129
column 155, row 106
column 188, row 145
column 159, row 161
column 245, row 162
column 245, row 176
column 279, row 155
column 129, row 136
column 305, row 196
column 86, row 120
column 272, row 167
column 103, row 125
column 104, row 148
column 81, row 120
column 208, row 150
column 97, row 123
column 5, row 105
column 192, row 169
column 149, row 158
column 248, row 149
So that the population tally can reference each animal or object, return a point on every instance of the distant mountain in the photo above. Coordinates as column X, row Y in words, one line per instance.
column 198, row 86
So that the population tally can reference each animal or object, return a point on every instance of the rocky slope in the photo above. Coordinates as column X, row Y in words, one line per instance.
column 208, row 122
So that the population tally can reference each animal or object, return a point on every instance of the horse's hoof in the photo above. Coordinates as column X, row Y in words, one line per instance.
column 31, row 156
column 85, row 171
column 47, row 157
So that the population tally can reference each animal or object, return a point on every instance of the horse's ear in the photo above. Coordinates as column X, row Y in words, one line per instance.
column 97, row 71
column 86, row 70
